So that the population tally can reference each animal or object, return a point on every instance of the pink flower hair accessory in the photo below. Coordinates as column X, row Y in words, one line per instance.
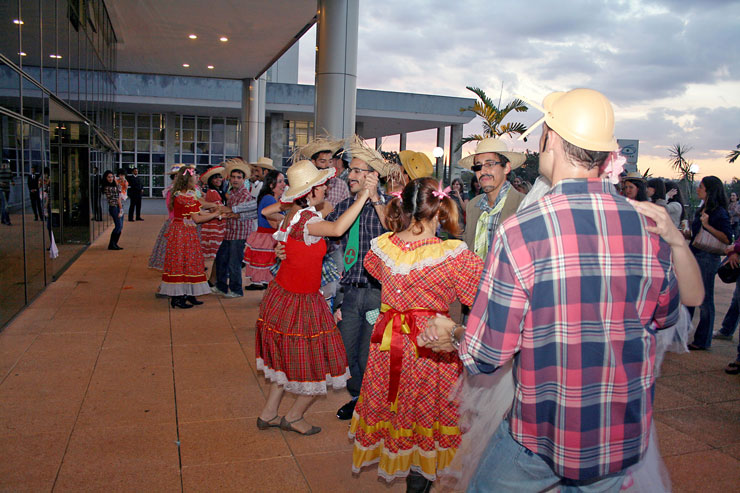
column 189, row 171
column 441, row 193
column 613, row 166
column 398, row 195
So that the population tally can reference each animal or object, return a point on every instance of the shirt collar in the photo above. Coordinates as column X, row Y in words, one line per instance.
column 483, row 202
column 579, row 186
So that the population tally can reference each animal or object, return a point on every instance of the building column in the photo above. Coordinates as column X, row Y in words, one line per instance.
column 253, row 123
column 456, row 134
column 359, row 128
column 336, row 67
column 276, row 139
column 169, row 144
column 439, row 165
column 379, row 143
column 261, row 116
column 402, row 142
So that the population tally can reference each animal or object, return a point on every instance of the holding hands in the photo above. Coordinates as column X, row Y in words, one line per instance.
column 438, row 334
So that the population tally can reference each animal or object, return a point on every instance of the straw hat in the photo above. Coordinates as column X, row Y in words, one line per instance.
column 633, row 176
column 583, row 117
column 238, row 163
column 176, row 167
column 416, row 164
column 498, row 146
column 320, row 144
column 264, row 162
column 358, row 149
column 215, row 170
column 303, row 176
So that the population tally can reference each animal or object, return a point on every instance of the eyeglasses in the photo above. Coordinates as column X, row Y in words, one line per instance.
column 359, row 170
column 487, row 164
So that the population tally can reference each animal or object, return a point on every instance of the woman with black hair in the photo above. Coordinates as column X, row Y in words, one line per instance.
column 675, row 204
column 633, row 187
column 112, row 192
column 259, row 254
column 656, row 191
column 713, row 218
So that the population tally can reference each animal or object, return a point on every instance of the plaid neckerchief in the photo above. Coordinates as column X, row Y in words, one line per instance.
column 484, row 237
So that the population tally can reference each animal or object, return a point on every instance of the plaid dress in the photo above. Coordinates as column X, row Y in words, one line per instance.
column 403, row 419
column 298, row 344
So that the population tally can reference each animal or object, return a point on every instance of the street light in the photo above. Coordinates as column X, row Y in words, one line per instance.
column 438, row 152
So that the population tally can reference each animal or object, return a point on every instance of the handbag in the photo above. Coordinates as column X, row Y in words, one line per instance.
column 706, row 241
column 728, row 273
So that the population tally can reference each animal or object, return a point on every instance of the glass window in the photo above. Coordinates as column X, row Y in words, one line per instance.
column 10, row 82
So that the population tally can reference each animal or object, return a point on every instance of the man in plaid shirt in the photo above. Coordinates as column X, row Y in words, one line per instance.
column 238, row 226
column 573, row 291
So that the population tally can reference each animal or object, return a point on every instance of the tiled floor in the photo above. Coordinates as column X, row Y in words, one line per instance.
column 104, row 387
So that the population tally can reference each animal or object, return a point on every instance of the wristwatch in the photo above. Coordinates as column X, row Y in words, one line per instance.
column 453, row 339
column 380, row 201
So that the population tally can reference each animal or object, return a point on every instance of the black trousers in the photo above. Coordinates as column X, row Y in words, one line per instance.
column 135, row 204
column 36, row 204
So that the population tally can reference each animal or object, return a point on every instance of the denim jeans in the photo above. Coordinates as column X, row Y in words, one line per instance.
column 229, row 266
column 115, row 213
column 356, row 331
column 729, row 323
column 708, row 265
column 507, row 466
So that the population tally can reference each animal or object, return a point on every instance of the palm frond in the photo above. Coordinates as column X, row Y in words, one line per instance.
column 512, row 128
column 733, row 155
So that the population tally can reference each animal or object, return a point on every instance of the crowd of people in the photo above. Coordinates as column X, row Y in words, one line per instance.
column 572, row 288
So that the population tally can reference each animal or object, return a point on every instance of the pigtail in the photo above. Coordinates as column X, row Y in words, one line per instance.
column 449, row 216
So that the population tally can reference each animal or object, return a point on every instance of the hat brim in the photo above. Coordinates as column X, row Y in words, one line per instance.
column 264, row 165
column 312, row 148
column 292, row 193
column 214, row 171
column 516, row 159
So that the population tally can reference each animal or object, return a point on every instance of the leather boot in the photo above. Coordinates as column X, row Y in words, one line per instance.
column 193, row 300
column 179, row 302
column 416, row 483
column 113, row 243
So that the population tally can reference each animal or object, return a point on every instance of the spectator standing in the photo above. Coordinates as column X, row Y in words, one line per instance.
column 113, row 196
column 6, row 181
column 734, row 209
column 135, row 190
column 34, row 193
column 675, row 205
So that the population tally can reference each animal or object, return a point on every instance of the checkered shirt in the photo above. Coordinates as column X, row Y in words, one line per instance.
column 370, row 227
column 573, row 290
column 493, row 219
column 338, row 191
column 239, row 229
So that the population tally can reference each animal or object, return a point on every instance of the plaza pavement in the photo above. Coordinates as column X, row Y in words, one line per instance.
column 104, row 387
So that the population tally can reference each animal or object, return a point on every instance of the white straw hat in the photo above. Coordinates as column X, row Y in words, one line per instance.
column 498, row 146
column 302, row 177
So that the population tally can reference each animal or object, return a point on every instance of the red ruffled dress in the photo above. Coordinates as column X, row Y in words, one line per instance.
column 259, row 254
column 403, row 419
column 298, row 344
column 184, row 269
column 212, row 233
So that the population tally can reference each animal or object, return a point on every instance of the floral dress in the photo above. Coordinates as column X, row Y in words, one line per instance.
column 404, row 420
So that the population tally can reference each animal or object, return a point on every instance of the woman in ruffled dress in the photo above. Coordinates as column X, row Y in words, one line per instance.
column 212, row 232
column 298, row 345
column 259, row 255
column 403, row 420
column 156, row 259
column 184, row 275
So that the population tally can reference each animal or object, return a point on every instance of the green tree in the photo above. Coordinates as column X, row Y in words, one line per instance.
column 734, row 154
column 493, row 116
column 530, row 170
column 679, row 162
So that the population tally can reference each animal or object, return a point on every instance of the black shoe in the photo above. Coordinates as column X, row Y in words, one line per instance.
column 193, row 300
column 139, row 219
column 416, row 483
column 345, row 412
column 255, row 287
column 113, row 246
column 179, row 302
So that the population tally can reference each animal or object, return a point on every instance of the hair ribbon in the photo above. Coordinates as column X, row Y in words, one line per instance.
column 441, row 193
column 398, row 195
column 189, row 171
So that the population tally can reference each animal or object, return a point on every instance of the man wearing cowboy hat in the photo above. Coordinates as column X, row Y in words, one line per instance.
column 361, row 291
column 572, row 291
column 321, row 152
column 243, row 209
column 491, row 162
column 259, row 170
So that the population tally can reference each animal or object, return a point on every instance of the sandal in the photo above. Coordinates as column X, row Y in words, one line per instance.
column 288, row 426
column 263, row 425
column 733, row 368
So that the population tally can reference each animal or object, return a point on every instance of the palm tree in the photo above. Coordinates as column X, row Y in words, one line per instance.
column 733, row 155
column 680, row 163
column 493, row 115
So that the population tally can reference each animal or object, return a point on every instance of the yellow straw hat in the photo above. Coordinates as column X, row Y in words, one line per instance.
column 498, row 146
column 302, row 177
column 320, row 144
column 358, row 149
column 583, row 117
column 264, row 162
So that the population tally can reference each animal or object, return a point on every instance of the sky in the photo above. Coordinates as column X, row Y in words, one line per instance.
column 670, row 67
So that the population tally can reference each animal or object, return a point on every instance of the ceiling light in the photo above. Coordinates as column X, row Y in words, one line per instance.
column 193, row 36
column 223, row 39
column 211, row 67
column 186, row 65
column 18, row 21
column 55, row 56
column 22, row 53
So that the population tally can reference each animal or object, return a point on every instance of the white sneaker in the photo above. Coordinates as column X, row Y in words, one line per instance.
column 215, row 290
column 232, row 294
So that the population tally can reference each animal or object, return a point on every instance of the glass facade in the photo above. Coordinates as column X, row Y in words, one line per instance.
column 56, row 116
column 296, row 133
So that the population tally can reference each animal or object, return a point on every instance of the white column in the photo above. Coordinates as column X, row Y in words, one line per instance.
column 456, row 134
column 261, row 92
column 251, row 121
column 336, row 67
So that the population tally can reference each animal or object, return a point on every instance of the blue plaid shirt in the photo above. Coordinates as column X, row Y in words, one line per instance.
column 370, row 227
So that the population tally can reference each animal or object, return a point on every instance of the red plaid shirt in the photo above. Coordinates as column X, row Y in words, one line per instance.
column 238, row 229
column 338, row 191
column 571, row 290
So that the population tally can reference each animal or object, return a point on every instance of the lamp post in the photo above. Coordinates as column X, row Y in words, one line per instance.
column 438, row 152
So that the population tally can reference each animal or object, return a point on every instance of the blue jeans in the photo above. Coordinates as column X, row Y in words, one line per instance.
column 356, row 331
column 115, row 213
column 507, row 466
column 708, row 265
column 729, row 323
column 229, row 266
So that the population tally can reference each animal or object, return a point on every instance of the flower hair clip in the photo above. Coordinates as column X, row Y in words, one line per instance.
column 441, row 193
column 613, row 166
column 398, row 195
